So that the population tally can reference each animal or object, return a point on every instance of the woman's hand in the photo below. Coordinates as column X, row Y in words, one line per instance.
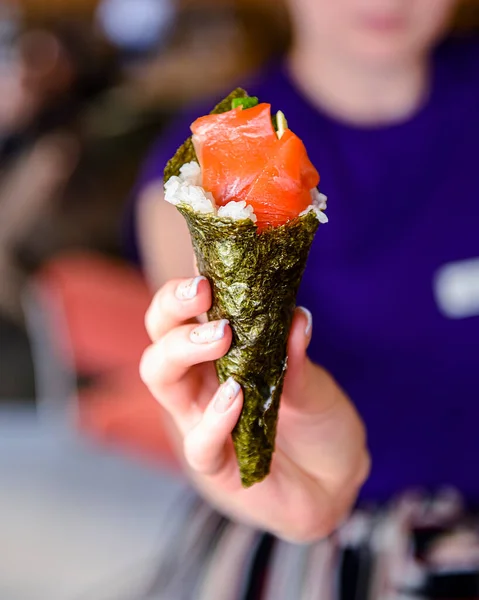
column 320, row 459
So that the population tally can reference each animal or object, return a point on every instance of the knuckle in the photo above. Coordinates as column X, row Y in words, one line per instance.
column 311, row 520
column 145, row 366
column 154, row 313
column 149, row 322
column 354, row 477
column 193, row 451
column 313, row 527
column 322, row 529
column 364, row 469
column 199, row 452
column 162, row 366
column 153, row 365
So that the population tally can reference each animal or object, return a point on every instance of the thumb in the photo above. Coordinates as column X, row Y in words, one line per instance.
column 195, row 264
column 307, row 387
column 299, row 339
column 201, row 318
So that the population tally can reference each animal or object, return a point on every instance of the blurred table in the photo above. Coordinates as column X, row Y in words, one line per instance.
column 76, row 521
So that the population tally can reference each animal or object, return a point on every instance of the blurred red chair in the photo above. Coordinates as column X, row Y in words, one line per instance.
column 95, row 308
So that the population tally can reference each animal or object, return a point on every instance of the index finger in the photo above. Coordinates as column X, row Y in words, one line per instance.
column 179, row 301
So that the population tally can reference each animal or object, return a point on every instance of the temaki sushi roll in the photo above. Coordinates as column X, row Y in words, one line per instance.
column 248, row 191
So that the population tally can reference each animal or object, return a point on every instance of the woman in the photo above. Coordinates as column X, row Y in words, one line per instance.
column 389, row 116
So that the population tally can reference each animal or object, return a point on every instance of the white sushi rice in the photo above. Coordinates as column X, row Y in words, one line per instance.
column 186, row 189
column 191, row 173
column 320, row 203
column 237, row 211
column 319, row 199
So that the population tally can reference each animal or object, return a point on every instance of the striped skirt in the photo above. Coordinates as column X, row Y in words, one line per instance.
column 418, row 547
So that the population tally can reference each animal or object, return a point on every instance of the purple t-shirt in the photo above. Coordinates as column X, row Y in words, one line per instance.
column 393, row 278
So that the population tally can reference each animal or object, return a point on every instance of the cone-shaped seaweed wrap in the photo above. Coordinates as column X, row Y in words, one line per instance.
column 255, row 276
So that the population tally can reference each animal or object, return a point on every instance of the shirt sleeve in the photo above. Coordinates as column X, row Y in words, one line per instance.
column 150, row 172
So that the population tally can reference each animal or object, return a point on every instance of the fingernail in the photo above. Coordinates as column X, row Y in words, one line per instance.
column 309, row 317
column 187, row 290
column 209, row 332
column 227, row 394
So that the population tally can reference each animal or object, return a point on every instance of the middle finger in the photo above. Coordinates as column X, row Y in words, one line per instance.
column 165, row 363
column 177, row 302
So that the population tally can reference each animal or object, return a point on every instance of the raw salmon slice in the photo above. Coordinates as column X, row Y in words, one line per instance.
column 231, row 148
column 283, row 188
column 241, row 158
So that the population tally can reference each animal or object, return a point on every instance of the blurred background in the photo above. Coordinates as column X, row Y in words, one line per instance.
column 85, row 88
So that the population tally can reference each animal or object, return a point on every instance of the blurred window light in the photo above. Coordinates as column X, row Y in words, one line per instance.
column 457, row 289
column 135, row 25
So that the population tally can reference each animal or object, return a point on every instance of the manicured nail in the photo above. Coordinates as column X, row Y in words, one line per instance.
column 209, row 332
column 187, row 290
column 227, row 394
column 309, row 317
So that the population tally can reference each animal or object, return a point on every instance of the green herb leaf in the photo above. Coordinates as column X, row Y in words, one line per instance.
column 245, row 103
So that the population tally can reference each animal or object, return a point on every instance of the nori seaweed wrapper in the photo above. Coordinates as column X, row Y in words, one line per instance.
column 254, row 279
